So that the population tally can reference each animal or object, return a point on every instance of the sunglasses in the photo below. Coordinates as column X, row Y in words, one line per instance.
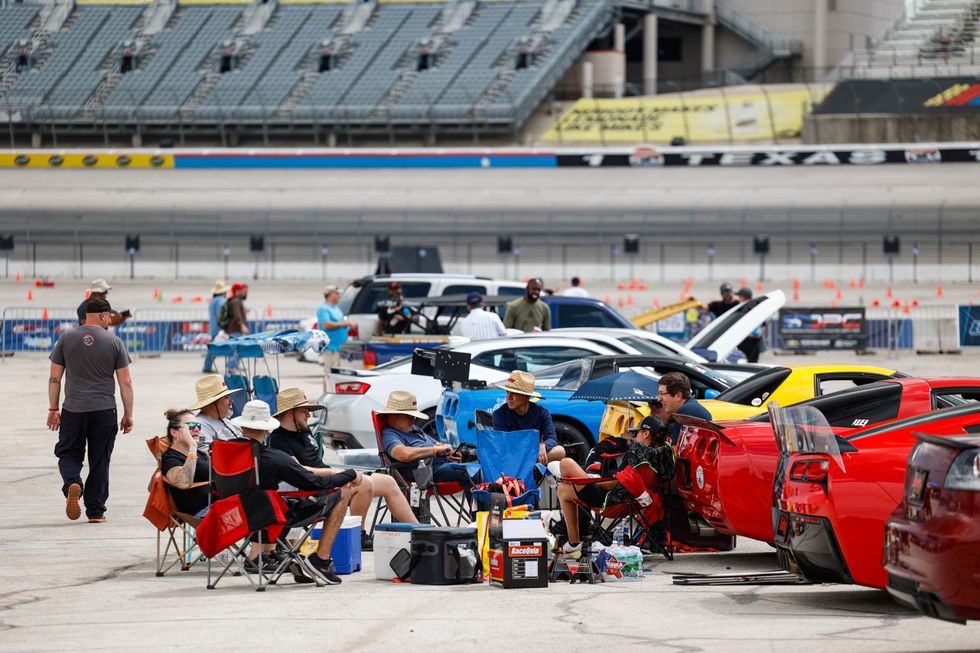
column 194, row 425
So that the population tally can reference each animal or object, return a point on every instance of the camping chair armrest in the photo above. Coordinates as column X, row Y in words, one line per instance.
column 299, row 494
column 584, row 480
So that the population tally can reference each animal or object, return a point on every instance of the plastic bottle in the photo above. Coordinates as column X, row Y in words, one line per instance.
column 620, row 536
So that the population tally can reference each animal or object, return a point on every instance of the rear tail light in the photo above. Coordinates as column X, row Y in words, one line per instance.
column 810, row 471
column 353, row 333
column 370, row 359
column 351, row 388
column 964, row 474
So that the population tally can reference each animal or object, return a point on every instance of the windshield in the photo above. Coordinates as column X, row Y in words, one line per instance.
column 565, row 376
column 648, row 347
column 754, row 390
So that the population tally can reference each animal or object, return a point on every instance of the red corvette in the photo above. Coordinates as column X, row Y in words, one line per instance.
column 835, row 494
column 932, row 541
column 725, row 470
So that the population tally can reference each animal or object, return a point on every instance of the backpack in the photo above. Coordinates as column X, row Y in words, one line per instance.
column 224, row 315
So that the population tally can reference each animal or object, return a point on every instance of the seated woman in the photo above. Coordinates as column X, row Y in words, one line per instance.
column 183, row 465
column 649, row 445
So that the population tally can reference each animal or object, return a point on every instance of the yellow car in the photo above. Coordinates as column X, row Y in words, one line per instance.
column 787, row 385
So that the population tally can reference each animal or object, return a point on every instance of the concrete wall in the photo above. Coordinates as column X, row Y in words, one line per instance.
column 886, row 128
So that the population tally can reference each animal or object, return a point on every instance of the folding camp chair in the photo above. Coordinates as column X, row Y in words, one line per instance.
column 445, row 494
column 235, row 474
column 510, row 454
column 180, row 547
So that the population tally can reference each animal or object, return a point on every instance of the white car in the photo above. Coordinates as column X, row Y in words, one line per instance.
column 347, row 420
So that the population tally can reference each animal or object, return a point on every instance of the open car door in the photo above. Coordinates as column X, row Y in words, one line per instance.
column 722, row 336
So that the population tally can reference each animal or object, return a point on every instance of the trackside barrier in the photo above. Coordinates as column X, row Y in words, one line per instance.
column 149, row 331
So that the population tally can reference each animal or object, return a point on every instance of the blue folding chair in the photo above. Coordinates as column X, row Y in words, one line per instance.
column 238, row 399
column 509, row 453
column 265, row 388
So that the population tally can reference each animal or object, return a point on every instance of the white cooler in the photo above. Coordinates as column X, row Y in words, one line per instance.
column 389, row 539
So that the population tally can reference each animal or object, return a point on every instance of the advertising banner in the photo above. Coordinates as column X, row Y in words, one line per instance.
column 969, row 326
column 803, row 329
column 874, row 96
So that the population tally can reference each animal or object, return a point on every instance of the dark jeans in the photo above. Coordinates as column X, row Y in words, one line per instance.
column 96, row 430
column 452, row 473
column 751, row 347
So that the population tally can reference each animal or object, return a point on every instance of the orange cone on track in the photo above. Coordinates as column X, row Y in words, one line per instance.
column 156, row 293
column 620, row 303
column 17, row 278
column 176, row 300
column 44, row 314
column 905, row 309
column 758, row 287
column 197, row 299
column 656, row 302
column 268, row 310
column 889, row 292
column 876, row 303
column 840, row 295
column 939, row 290
column 30, row 296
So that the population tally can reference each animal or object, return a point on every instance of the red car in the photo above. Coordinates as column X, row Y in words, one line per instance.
column 835, row 494
column 932, row 541
column 725, row 470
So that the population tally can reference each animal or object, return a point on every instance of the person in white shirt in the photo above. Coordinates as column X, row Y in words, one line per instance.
column 576, row 289
column 481, row 324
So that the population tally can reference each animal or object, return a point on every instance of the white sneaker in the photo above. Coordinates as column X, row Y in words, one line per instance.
column 570, row 551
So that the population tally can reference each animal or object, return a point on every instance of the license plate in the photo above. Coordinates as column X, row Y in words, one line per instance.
column 918, row 487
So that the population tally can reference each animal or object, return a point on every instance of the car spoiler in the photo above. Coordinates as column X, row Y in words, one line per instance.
column 697, row 422
column 952, row 442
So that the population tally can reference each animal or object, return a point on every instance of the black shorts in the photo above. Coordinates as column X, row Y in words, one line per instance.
column 591, row 495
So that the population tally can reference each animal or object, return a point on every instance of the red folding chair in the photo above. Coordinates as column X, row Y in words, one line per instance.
column 451, row 495
column 179, row 545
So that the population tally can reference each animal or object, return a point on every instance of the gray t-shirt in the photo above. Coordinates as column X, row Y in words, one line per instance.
column 215, row 429
column 90, row 355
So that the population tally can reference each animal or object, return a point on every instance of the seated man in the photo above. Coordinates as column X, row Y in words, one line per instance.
column 295, row 438
column 276, row 466
column 519, row 414
column 676, row 398
column 648, row 445
column 215, row 404
column 406, row 443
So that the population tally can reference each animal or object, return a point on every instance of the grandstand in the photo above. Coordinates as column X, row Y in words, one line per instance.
column 382, row 66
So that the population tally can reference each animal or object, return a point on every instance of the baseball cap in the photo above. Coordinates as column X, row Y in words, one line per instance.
column 744, row 292
column 649, row 423
column 473, row 298
column 330, row 289
column 97, row 305
column 726, row 288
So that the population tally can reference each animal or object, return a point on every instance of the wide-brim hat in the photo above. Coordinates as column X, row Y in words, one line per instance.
column 256, row 415
column 402, row 402
column 291, row 398
column 520, row 382
column 99, row 285
column 210, row 389
column 220, row 288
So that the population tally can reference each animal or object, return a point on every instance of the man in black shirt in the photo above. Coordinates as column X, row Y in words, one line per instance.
column 295, row 438
column 720, row 306
column 276, row 466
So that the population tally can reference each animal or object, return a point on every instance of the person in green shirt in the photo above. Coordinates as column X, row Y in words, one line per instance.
column 529, row 313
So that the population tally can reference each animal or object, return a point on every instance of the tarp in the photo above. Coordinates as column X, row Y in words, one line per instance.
column 744, row 114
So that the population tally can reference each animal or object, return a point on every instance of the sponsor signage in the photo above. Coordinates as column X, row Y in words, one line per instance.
column 942, row 95
column 969, row 326
column 803, row 329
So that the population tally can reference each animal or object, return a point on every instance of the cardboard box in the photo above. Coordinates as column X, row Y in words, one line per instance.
column 519, row 563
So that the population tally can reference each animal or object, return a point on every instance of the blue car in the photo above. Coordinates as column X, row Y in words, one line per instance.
column 576, row 422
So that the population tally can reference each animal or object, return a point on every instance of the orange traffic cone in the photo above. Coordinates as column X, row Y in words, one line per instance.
column 840, row 295
column 37, row 283
column 853, row 283
column 939, row 290
column 876, row 303
column 656, row 302
column 861, row 283
column 620, row 286
column 196, row 299
column 905, row 309
column 896, row 304
column 889, row 292
column 744, row 282
column 620, row 303
column 643, row 286
column 44, row 314
column 30, row 296
column 17, row 278
column 758, row 287
column 268, row 310
column 915, row 303
column 176, row 300
column 156, row 293
column 629, row 300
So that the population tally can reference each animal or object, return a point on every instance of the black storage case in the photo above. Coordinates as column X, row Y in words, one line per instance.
column 445, row 556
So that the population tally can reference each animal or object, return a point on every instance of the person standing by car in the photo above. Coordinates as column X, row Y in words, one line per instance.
column 219, row 296
column 93, row 360
column 330, row 318
column 529, row 313
column 752, row 345
column 675, row 399
column 727, row 302
column 518, row 413
column 576, row 289
column 480, row 324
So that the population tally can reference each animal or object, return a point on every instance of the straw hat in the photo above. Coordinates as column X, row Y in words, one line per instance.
column 290, row 398
column 210, row 389
column 99, row 285
column 256, row 415
column 402, row 402
column 520, row 382
column 220, row 288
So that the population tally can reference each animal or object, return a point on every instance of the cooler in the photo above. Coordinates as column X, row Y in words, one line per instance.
column 346, row 551
column 389, row 539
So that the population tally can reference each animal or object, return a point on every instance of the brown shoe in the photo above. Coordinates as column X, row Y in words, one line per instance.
column 72, row 508
column 96, row 520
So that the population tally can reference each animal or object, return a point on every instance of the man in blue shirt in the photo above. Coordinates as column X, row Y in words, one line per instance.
column 219, row 295
column 330, row 318
column 519, row 414
column 676, row 399
column 406, row 443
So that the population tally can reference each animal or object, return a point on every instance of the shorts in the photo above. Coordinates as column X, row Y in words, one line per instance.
column 591, row 495
column 330, row 359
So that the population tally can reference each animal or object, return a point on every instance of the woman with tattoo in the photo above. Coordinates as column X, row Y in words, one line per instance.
column 183, row 465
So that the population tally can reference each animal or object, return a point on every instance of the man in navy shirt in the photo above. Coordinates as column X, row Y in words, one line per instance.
column 676, row 399
column 519, row 414
column 408, row 444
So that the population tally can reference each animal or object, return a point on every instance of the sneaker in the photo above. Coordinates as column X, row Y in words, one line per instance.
column 325, row 568
column 570, row 551
column 268, row 566
column 299, row 575
column 367, row 542
column 96, row 520
column 72, row 507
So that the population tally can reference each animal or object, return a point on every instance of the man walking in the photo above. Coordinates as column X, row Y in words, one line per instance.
column 100, row 290
column 727, row 302
column 89, row 355
column 330, row 318
column 219, row 297
column 529, row 313
column 480, row 324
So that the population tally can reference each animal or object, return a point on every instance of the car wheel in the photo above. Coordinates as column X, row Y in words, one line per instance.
column 428, row 425
column 576, row 443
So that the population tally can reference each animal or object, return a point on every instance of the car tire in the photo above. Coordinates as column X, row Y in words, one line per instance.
column 569, row 435
column 428, row 425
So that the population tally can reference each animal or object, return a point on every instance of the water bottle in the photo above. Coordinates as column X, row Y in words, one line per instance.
column 620, row 535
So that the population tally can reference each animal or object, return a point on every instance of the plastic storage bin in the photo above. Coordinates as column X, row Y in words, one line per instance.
column 388, row 540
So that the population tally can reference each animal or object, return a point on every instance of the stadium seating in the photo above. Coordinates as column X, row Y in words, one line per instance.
column 374, row 77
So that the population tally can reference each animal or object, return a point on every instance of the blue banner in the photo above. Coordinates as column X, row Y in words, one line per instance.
column 969, row 326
